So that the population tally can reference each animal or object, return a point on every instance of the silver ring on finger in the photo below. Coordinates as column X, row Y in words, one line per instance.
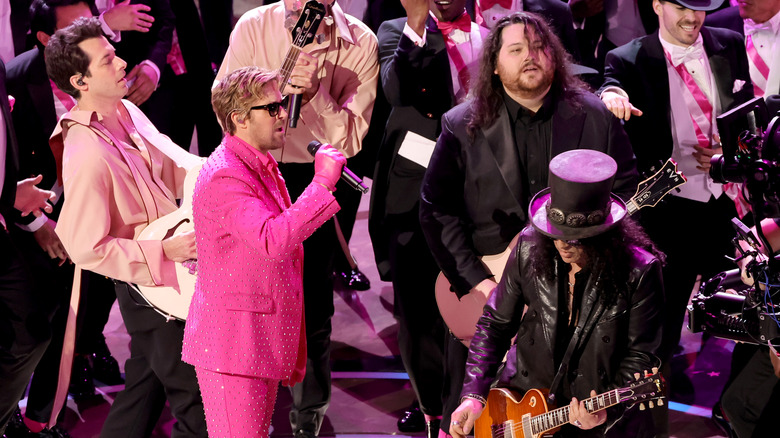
column 577, row 423
column 455, row 422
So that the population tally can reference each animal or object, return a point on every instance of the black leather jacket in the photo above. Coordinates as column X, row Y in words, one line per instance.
column 623, row 341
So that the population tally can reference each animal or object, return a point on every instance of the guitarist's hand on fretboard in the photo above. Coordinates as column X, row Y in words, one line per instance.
column 304, row 77
column 463, row 418
column 580, row 417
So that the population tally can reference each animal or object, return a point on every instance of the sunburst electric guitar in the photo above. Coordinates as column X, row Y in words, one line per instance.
column 506, row 417
column 461, row 315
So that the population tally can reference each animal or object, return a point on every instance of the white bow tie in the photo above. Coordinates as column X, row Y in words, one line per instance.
column 684, row 54
column 751, row 27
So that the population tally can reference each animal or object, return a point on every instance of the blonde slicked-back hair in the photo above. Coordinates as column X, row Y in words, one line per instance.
column 237, row 91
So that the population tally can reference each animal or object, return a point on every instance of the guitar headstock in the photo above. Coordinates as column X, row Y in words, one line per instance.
column 644, row 389
column 651, row 190
column 303, row 33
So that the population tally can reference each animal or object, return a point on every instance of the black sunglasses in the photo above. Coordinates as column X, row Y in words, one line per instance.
column 273, row 107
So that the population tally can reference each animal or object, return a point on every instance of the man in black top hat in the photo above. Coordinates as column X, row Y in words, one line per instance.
column 591, row 281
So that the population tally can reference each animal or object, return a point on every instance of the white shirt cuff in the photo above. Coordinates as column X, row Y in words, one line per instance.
column 113, row 36
column 156, row 70
column 614, row 89
column 34, row 225
column 418, row 40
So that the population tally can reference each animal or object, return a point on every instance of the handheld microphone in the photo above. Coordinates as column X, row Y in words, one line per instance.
column 347, row 176
column 294, row 110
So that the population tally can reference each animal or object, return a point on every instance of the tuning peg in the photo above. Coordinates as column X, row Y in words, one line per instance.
column 650, row 404
column 637, row 376
column 660, row 402
column 655, row 370
column 641, row 406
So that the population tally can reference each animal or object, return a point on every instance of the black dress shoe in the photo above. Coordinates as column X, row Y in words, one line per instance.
column 355, row 280
column 16, row 427
column 722, row 422
column 106, row 369
column 433, row 428
column 81, row 384
column 55, row 432
column 412, row 420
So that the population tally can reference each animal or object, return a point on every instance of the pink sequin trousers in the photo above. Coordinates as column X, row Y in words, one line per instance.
column 237, row 405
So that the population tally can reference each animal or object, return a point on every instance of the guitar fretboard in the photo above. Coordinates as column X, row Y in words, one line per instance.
column 560, row 416
column 287, row 66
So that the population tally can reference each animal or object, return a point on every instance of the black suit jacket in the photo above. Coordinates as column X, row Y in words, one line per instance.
column 472, row 195
column 639, row 68
column 154, row 45
column 34, row 118
column 8, row 195
column 417, row 83
column 558, row 14
column 726, row 19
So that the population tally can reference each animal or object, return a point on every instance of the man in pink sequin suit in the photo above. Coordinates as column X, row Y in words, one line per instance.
column 245, row 330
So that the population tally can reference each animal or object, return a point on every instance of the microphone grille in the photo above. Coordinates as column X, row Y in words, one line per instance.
column 313, row 146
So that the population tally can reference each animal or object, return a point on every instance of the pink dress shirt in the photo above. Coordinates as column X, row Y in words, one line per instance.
column 104, row 209
column 246, row 316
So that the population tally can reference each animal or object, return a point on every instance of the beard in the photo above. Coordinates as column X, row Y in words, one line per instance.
column 524, row 86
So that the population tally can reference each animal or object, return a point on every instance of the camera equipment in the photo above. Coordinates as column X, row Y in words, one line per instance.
column 725, row 307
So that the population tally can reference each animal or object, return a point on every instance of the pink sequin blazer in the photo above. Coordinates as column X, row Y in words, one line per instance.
column 246, row 316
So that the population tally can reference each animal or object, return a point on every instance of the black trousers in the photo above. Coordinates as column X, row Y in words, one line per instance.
column 24, row 326
column 455, row 355
column 312, row 396
column 751, row 401
column 153, row 374
column 696, row 237
column 421, row 330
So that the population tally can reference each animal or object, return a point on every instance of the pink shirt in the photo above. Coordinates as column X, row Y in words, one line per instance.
column 104, row 210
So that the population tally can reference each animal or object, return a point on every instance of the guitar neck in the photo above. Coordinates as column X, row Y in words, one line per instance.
column 559, row 417
column 287, row 66
column 631, row 207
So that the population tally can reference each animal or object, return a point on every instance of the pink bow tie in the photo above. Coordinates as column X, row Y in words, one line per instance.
column 462, row 23
column 752, row 27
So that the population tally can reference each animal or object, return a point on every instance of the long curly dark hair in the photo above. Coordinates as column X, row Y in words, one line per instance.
column 487, row 90
column 608, row 253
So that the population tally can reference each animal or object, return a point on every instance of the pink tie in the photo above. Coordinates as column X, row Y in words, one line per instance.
column 462, row 23
column 704, row 105
column 175, row 58
column 758, row 61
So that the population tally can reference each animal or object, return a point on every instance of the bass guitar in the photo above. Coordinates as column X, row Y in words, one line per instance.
column 506, row 417
column 461, row 315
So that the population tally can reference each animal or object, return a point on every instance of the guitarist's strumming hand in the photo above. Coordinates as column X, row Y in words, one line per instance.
column 579, row 416
column 303, row 78
column 180, row 247
column 462, row 420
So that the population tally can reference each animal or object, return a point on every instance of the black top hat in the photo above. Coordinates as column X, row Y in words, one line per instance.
column 699, row 5
column 578, row 204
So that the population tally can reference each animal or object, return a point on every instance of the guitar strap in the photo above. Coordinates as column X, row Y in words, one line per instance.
column 579, row 332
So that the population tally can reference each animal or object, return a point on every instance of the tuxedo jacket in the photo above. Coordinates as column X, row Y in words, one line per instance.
column 34, row 117
column 8, row 194
column 154, row 45
column 417, row 84
column 472, row 197
column 558, row 15
column 639, row 68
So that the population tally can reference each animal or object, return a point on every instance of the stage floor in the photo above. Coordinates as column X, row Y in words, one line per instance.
column 370, row 388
